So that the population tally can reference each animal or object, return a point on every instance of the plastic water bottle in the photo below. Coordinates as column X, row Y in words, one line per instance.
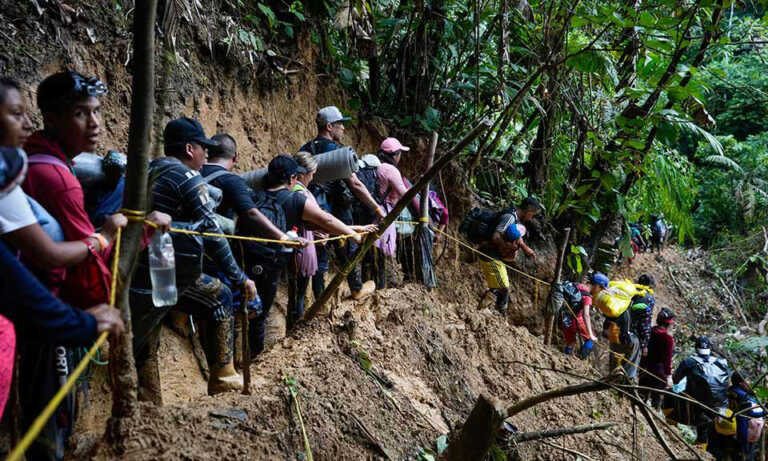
column 293, row 235
column 162, row 269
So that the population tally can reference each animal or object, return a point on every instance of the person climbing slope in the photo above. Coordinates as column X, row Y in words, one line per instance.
column 499, row 235
column 625, row 348
column 641, row 313
column 336, row 198
column 575, row 318
column 707, row 380
column 656, row 364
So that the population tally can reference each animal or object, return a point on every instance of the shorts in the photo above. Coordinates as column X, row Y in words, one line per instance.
column 579, row 326
column 495, row 273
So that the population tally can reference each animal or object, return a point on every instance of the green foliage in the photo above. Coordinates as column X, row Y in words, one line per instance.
column 574, row 259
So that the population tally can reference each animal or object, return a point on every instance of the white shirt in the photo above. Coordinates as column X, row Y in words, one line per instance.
column 15, row 212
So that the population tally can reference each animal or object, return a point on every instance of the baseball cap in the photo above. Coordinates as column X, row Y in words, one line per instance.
column 330, row 114
column 514, row 232
column 391, row 145
column 63, row 88
column 183, row 130
column 598, row 278
column 703, row 345
column 282, row 167
column 13, row 169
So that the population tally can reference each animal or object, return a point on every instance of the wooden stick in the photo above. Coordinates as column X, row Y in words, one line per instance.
column 576, row 389
column 538, row 435
column 392, row 216
column 549, row 318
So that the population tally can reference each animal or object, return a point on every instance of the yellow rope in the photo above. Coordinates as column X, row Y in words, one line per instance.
column 45, row 415
column 475, row 250
column 244, row 237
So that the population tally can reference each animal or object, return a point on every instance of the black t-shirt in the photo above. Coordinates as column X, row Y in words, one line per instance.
column 236, row 197
column 293, row 205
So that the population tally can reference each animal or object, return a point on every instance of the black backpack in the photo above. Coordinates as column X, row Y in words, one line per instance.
column 369, row 176
column 479, row 224
column 270, row 204
column 571, row 296
column 709, row 381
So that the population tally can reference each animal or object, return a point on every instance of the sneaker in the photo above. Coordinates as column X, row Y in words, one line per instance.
column 366, row 290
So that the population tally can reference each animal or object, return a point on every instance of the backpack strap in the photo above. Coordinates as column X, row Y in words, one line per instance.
column 215, row 175
column 48, row 159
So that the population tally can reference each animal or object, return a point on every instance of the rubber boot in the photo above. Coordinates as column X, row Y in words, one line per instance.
column 366, row 290
column 502, row 299
column 149, row 389
column 223, row 378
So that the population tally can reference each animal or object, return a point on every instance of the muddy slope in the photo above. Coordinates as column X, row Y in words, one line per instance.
column 438, row 351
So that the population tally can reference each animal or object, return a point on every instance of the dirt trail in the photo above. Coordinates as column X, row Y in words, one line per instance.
column 437, row 349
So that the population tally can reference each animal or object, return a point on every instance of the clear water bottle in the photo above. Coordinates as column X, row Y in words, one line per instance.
column 162, row 269
column 293, row 235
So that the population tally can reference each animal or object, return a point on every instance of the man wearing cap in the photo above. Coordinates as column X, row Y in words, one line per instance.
column 336, row 197
column 505, row 242
column 179, row 190
column 707, row 380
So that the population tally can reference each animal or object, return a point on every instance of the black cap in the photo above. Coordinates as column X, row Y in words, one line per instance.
column 282, row 167
column 13, row 168
column 183, row 130
column 703, row 345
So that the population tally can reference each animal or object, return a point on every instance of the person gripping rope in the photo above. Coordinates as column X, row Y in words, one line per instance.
column 499, row 235
column 336, row 198
column 575, row 317
column 179, row 190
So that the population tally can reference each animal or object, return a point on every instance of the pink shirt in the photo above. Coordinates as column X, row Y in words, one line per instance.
column 391, row 184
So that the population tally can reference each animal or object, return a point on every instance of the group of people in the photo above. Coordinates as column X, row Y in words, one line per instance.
column 643, row 238
column 56, row 262
column 644, row 353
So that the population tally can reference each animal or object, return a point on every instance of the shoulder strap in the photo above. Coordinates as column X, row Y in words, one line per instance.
column 215, row 175
column 281, row 198
column 47, row 159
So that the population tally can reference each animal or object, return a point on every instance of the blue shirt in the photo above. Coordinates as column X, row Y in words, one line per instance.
column 35, row 311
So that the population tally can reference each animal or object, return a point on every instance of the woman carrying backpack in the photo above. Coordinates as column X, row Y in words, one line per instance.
column 575, row 318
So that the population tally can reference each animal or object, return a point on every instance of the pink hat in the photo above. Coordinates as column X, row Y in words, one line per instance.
column 391, row 145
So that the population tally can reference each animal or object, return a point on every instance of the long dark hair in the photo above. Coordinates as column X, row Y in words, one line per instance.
column 388, row 157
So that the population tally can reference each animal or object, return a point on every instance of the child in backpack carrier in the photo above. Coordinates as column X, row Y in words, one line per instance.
column 575, row 318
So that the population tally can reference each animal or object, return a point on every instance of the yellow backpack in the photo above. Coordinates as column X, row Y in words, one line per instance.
column 723, row 425
column 615, row 299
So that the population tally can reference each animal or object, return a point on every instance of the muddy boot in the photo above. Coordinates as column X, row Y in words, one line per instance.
column 223, row 378
column 502, row 299
column 366, row 290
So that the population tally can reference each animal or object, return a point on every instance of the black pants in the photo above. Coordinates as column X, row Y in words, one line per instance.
column 266, row 276
column 208, row 300
column 343, row 253
column 406, row 255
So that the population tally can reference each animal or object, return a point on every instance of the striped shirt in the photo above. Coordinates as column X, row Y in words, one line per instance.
column 181, row 192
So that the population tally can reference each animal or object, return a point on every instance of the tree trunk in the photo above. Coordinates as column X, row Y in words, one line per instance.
column 479, row 431
column 122, row 365
column 539, row 435
column 549, row 319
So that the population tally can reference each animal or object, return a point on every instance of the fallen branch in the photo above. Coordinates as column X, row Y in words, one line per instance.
column 680, row 289
column 576, row 389
column 618, row 389
column 538, row 435
column 372, row 439
column 578, row 454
